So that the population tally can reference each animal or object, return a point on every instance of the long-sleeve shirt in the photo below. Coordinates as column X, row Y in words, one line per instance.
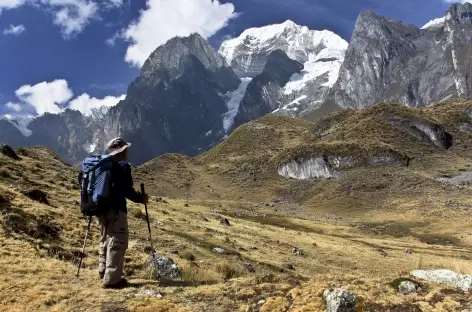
column 122, row 186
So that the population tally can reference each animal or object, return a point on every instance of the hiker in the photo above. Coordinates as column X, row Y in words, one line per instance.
column 113, row 221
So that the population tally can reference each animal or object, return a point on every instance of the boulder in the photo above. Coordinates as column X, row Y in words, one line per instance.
column 408, row 287
column 446, row 277
column 166, row 268
column 218, row 250
column 8, row 151
column 340, row 300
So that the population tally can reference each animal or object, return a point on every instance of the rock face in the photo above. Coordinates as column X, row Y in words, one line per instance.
column 10, row 135
column 340, row 300
column 447, row 277
column 391, row 61
column 176, row 105
column 70, row 134
column 264, row 90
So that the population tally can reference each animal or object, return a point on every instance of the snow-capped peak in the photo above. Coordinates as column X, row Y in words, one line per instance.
column 435, row 23
column 297, row 41
column 20, row 122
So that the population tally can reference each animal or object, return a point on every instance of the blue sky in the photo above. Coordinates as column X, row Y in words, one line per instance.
column 84, row 53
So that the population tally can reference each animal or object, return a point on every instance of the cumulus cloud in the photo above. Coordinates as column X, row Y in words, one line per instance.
column 85, row 104
column 15, row 30
column 72, row 15
column 10, row 4
column 13, row 106
column 165, row 19
column 45, row 97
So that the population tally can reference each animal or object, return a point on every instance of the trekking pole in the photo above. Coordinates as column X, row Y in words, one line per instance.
column 154, row 260
column 83, row 247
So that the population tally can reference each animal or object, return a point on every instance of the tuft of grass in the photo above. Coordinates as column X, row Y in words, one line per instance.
column 22, row 152
column 137, row 213
column 187, row 255
column 227, row 270
column 5, row 173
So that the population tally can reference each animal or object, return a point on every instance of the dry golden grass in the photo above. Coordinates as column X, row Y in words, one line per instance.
column 351, row 233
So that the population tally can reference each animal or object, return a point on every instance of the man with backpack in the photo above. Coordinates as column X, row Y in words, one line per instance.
column 106, row 182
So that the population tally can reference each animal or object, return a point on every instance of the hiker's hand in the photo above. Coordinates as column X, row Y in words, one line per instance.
column 145, row 198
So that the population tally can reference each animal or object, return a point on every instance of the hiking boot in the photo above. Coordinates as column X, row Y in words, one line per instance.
column 101, row 274
column 121, row 284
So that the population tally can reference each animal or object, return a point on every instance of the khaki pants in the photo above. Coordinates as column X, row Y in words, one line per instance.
column 113, row 245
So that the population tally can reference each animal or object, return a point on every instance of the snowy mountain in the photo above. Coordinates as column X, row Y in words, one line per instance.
column 321, row 53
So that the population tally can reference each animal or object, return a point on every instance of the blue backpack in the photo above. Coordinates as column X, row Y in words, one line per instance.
column 96, row 183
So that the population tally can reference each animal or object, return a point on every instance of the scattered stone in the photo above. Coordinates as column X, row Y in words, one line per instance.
column 218, row 250
column 408, row 287
column 37, row 195
column 340, row 300
column 261, row 302
column 186, row 205
column 220, row 206
column 382, row 252
column 166, row 268
column 204, row 219
column 408, row 251
column 447, row 277
column 225, row 222
column 289, row 266
column 150, row 293
column 164, row 212
column 74, row 202
column 8, row 151
column 297, row 251
column 253, row 248
column 174, row 252
column 248, row 267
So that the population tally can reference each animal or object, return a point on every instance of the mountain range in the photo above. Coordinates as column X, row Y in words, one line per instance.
column 189, row 97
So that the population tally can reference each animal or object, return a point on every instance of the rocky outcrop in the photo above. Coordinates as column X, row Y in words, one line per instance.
column 7, row 151
column 446, row 277
column 263, row 91
column 391, row 61
column 176, row 105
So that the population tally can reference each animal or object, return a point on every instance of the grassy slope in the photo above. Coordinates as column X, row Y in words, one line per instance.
column 338, row 224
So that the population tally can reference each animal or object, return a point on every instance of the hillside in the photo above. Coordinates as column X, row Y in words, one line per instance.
column 287, row 240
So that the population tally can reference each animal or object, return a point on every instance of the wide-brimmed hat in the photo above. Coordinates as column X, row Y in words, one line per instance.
column 116, row 146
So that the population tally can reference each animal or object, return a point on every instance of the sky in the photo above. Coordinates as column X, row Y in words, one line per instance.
column 82, row 54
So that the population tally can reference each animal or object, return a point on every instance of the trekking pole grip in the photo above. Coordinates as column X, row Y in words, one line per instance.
column 142, row 188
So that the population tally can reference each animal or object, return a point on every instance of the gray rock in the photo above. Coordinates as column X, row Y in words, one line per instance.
column 150, row 293
column 446, row 277
column 340, row 300
column 408, row 287
column 218, row 250
column 391, row 61
column 164, row 267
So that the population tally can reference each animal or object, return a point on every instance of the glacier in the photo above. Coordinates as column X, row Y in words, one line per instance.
column 234, row 99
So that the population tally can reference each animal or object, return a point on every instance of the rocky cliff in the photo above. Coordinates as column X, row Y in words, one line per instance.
column 389, row 60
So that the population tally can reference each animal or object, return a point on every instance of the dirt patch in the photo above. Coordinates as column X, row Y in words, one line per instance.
column 406, row 307
column 395, row 229
column 37, row 195
column 443, row 240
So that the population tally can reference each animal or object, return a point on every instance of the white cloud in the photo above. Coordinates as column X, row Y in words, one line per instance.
column 13, row 106
column 165, row 19
column 457, row 1
column 10, row 4
column 45, row 97
column 113, row 3
column 85, row 103
column 72, row 15
column 14, row 30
